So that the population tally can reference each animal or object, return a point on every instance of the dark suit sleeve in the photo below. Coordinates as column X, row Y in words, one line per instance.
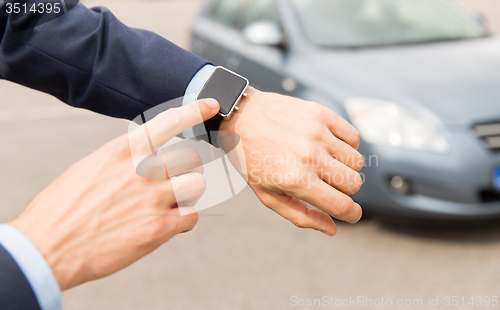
column 89, row 59
column 15, row 290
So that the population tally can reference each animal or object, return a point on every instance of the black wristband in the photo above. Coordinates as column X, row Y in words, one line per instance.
column 208, row 130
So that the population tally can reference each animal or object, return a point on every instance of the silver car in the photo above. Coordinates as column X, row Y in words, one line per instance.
column 419, row 79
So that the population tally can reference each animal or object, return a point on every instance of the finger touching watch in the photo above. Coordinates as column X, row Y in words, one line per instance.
column 228, row 88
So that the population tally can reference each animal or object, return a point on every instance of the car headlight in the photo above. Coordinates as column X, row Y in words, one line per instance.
column 387, row 123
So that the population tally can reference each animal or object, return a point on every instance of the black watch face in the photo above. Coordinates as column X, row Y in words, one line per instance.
column 225, row 87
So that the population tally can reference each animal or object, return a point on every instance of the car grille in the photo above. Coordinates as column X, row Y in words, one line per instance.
column 489, row 196
column 490, row 134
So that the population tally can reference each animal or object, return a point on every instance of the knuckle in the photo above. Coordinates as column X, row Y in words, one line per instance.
column 172, row 117
column 194, row 158
column 308, row 155
column 155, row 196
column 155, row 232
column 191, row 153
column 118, row 147
column 300, row 223
column 294, row 185
column 319, row 112
column 344, row 207
column 198, row 182
column 152, row 232
column 316, row 136
column 316, row 131
column 194, row 108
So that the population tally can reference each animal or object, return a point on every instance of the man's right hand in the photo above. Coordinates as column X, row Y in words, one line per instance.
column 100, row 216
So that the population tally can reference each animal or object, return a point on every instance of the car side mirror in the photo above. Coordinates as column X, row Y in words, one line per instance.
column 264, row 32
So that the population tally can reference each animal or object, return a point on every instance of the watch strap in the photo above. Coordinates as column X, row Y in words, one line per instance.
column 207, row 131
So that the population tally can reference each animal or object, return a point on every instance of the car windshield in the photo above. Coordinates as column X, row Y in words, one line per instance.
column 360, row 23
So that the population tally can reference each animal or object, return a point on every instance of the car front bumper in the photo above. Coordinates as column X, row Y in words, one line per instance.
column 444, row 186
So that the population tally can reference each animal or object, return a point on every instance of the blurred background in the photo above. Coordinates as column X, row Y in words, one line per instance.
column 241, row 255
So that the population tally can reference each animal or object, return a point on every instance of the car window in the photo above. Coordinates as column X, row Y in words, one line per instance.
column 358, row 23
column 262, row 10
column 228, row 12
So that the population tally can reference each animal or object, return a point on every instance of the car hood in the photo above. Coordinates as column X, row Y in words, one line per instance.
column 457, row 81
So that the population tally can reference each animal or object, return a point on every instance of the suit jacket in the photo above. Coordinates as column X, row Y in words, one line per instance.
column 88, row 59
column 15, row 290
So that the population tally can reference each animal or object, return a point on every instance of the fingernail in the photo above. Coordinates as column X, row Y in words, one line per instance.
column 212, row 103
column 327, row 233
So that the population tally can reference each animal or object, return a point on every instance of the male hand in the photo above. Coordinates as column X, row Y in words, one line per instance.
column 100, row 216
column 297, row 151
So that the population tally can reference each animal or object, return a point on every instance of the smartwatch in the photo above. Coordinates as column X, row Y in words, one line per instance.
column 228, row 88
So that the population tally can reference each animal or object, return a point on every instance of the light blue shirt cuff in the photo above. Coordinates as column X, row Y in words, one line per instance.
column 33, row 265
column 194, row 87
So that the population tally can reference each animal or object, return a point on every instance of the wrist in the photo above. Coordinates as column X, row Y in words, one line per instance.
column 231, row 123
column 33, row 266
column 64, row 271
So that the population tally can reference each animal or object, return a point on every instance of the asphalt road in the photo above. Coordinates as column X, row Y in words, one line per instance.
column 241, row 255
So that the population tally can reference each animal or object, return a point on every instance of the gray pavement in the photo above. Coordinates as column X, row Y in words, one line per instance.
column 241, row 255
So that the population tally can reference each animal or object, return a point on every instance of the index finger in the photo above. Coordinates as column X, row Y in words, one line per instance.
column 298, row 213
column 146, row 139
column 170, row 123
